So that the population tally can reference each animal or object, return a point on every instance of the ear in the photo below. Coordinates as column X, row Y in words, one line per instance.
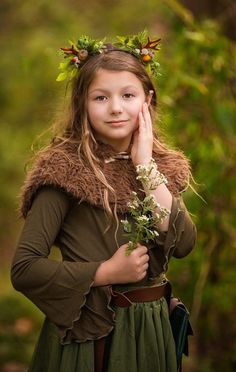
column 149, row 97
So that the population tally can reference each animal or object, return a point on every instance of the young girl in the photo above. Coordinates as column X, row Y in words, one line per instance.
column 106, row 307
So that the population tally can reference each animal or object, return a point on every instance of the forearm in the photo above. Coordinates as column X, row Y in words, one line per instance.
column 163, row 197
column 154, row 183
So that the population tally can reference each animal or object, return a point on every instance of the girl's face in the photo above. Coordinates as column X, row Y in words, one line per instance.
column 115, row 99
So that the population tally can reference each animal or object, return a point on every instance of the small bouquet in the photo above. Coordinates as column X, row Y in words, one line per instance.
column 147, row 213
column 146, row 219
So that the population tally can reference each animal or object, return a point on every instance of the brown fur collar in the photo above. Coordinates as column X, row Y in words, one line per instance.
column 62, row 168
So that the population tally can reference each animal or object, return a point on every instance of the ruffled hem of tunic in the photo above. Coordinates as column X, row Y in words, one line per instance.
column 103, row 334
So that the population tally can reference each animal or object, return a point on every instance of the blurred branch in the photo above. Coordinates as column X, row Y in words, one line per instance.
column 185, row 14
column 202, row 279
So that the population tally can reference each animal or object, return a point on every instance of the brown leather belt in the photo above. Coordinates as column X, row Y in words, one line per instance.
column 147, row 294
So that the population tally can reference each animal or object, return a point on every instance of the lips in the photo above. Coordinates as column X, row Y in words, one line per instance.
column 116, row 121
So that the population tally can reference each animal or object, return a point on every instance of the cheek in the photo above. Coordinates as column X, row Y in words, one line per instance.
column 135, row 110
column 94, row 113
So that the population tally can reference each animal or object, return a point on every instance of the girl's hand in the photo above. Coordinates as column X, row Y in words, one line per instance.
column 123, row 269
column 141, row 151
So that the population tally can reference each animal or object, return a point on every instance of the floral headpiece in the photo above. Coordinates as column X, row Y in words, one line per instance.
column 138, row 45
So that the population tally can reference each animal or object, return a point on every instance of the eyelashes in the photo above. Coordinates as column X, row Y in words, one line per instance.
column 128, row 95
column 104, row 98
column 100, row 98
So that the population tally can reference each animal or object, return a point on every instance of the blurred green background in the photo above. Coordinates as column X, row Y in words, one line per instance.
column 196, row 90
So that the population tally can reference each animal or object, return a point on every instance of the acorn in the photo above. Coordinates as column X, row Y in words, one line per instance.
column 146, row 58
column 83, row 54
column 144, row 51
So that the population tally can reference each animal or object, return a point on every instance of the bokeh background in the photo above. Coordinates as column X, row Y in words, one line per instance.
column 196, row 89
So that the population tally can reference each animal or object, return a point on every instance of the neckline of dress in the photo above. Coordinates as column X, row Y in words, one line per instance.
column 108, row 154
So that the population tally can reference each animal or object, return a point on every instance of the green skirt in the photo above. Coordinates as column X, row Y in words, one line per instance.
column 141, row 341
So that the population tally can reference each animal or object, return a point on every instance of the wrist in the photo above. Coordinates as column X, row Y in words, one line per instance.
column 149, row 175
column 102, row 276
column 144, row 162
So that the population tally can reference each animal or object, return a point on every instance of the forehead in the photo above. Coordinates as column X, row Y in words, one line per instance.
column 109, row 79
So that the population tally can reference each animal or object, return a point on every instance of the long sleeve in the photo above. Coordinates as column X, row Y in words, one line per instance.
column 58, row 288
column 182, row 233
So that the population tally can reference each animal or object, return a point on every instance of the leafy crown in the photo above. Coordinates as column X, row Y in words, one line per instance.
column 140, row 46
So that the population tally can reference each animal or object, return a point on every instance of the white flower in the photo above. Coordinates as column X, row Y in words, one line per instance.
column 133, row 205
column 150, row 198
column 139, row 168
column 142, row 218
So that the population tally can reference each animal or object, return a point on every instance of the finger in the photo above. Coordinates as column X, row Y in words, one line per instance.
column 141, row 121
column 143, row 275
column 147, row 117
column 141, row 246
column 145, row 267
column 135, row 137
column 144, row 259
column 140, row 250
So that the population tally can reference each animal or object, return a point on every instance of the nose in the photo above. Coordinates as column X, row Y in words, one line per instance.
column 115, row 106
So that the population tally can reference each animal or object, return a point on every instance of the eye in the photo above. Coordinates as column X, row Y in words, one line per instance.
column 128, row 95
column 100, row 98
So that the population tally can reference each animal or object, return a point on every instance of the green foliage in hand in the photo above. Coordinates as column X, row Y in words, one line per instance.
column 147, row 215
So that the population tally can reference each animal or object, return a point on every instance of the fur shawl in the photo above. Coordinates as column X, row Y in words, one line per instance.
column 61, row 167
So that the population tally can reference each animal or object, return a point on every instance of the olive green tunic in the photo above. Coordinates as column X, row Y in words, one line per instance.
column 64, row 292
column 76, row 312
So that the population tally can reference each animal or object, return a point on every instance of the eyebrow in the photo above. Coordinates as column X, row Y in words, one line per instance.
column 107, row 91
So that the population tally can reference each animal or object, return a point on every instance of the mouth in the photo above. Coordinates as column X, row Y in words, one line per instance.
column 114, row 122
